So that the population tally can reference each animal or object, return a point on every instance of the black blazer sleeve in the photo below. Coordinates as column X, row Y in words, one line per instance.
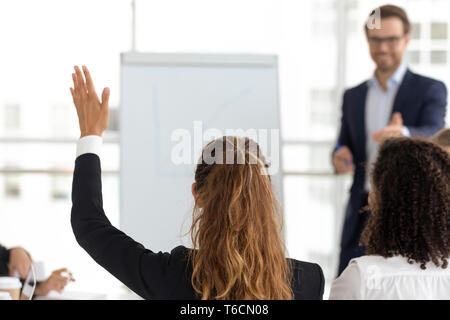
column 150, row 275
column 321, row 286
column 308, row 282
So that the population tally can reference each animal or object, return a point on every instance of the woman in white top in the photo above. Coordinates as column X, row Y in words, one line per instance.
column 407, row 236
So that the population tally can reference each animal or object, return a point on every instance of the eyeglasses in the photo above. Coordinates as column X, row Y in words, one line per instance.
column 390, row 41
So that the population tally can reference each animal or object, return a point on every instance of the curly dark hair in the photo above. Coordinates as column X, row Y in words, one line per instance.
column 410, row 214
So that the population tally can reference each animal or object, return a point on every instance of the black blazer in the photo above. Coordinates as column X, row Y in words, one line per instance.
column 150, row 275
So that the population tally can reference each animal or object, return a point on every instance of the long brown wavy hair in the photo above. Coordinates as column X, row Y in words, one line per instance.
column 410, row 211
column 236, row 228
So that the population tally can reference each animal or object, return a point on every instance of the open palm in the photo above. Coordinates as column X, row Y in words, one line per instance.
column 93, row 114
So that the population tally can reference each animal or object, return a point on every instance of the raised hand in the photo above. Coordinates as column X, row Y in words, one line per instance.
column 93, row 114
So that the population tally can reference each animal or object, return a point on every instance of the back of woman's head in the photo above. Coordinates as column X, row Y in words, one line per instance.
column 236, row 225
column 410, row 213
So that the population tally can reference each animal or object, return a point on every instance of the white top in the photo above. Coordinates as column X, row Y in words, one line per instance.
column 379, row 278
column 10, row 283
column 5, row 296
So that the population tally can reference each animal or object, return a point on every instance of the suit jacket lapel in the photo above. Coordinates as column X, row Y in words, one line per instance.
column 361, row 120
column 404, row 91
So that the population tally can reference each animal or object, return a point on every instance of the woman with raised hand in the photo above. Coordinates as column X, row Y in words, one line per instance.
column 238, row 251
column 407, row 237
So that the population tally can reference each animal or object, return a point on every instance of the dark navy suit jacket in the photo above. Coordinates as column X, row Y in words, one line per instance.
column 422, row 102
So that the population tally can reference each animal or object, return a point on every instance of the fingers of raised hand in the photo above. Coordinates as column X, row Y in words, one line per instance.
column 89, row 82
column 74, row 97
column 105, row 96
column 84, row 85
column 75, row 91
column 80, row 86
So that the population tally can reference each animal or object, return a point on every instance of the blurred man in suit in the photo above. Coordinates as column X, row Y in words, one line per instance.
column 394, row 102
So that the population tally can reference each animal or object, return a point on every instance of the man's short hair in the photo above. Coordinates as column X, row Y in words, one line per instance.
column 388, row 11
column 442, row 138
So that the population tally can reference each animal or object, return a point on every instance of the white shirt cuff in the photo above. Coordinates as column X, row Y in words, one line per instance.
column 89, row 144
column 405, row 132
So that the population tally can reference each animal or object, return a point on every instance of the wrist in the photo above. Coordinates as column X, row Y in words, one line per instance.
column 37, row 291
column 90, row 143
column 91, row 133
column 40, row 289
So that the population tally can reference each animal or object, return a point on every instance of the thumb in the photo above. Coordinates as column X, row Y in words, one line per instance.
column 61, row 270
column 397, row 119
column 346, row 153
column 105, row 97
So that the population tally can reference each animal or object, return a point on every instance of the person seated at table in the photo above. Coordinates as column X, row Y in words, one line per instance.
column 18, row 259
